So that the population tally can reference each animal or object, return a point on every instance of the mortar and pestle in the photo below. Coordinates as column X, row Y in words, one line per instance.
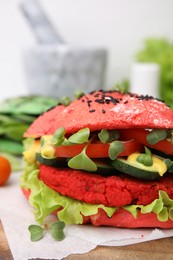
column 55, row 68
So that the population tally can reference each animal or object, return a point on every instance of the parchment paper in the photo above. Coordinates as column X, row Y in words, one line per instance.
column 16, row 215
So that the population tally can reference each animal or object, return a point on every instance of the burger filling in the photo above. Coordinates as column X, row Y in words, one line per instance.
column 128, row 154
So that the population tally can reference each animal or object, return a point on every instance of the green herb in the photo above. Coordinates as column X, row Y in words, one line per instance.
column 78, row 94
column 42, row 141
column 36, row 232
column 82, row 162
column 156, row 136
column 64, row 101
column 10, row 146
column 58, row 136
column 107, row 136
column 122, row 86
column 115, row 148
column 82, row 136
column 145, row 158
column 169, row 165
column 57, row 230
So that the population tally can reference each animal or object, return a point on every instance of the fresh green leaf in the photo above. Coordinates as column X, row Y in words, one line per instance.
column 10, row 146
column 31, row 105
column 58, row 136
column 115, row 148
column 16, row 132
column 82, row 162
column 78, row 93
column 107, row 136
column 169, row 165
column 64, row 101
column 45, row 201
column 156, row 135
column 82, row 136
column 57, row 230
column 145, row 158
column 36, row 232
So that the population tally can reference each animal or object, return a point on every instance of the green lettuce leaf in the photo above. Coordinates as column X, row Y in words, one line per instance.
column 45, row 201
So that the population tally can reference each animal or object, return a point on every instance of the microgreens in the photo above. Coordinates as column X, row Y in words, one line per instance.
column 78, row 94
column 107, row 136
column 36, row 232
column 169, row 164
column 115, row 148
column 156, row 135
column 58, row 136
column 145, row 158
column 82, row 136
column 82, row 162
column 56, row 230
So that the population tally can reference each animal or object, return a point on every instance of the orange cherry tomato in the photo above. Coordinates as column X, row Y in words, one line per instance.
column 96, row 150
column 5, row 170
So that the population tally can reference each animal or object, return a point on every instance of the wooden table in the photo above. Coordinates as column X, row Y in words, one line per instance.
column 154, row 250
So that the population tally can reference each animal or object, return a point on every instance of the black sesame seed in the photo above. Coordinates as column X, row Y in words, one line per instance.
column 96, row 95
column 103, row 111
column 92, row 110
column 125, row 102
column 100, row 101
column 107, row 101
column 89, row 102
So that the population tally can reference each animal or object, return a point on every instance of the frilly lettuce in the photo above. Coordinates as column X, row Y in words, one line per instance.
column 45, row 201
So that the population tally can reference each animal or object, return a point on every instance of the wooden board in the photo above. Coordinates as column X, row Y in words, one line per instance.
column 155, row 250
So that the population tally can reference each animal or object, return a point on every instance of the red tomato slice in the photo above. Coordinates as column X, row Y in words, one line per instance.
column 96, row 150
column 140, row 136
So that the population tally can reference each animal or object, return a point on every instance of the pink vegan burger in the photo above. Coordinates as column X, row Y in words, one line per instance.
column 105, row 159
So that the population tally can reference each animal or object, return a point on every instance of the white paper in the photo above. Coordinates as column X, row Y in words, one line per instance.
column 16, row 215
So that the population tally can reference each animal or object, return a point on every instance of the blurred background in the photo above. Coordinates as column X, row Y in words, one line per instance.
column 120, row 27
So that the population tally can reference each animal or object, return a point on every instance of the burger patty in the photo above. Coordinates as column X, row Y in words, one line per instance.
column 116, row 191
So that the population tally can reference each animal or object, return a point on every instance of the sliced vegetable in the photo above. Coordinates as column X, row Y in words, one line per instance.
column 96, row 150
column 134, row 170
column 140, row 135
column 54, row 161
column 158, row 164
column 104, row 167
